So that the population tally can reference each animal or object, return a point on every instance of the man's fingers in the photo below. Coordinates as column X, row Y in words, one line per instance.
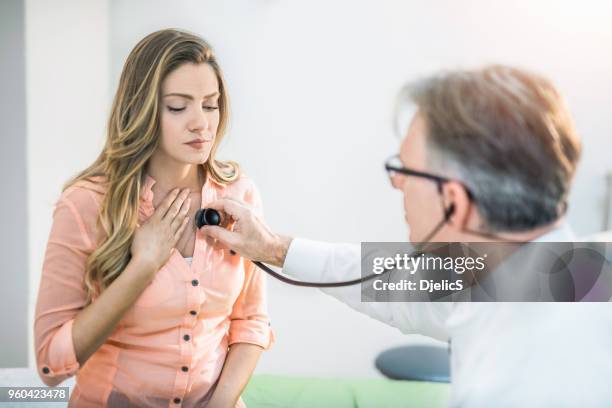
column 233, row 208
column 226, row 237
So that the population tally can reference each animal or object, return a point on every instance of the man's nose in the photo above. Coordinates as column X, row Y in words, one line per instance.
column 396, row 180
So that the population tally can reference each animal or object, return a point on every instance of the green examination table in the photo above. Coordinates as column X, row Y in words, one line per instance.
column 273, row 391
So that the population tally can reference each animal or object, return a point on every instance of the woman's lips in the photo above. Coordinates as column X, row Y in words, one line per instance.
column 197, row 145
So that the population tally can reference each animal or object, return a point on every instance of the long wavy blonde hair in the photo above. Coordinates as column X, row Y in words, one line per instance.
column 133, row 135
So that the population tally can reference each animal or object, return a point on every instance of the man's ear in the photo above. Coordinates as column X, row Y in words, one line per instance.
column 457, row 204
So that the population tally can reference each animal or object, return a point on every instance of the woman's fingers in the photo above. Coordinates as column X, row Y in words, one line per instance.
column 163, row 207
column 181, row 216
column 176, row 205
column 181, row 229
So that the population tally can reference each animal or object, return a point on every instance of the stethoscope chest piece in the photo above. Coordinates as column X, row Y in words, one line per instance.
column 207, row 216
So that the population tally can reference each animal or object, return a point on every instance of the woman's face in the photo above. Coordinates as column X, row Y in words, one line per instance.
column 190, row 113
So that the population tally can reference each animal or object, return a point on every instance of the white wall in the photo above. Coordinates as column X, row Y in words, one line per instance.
column 67, row 75
column 312, row 85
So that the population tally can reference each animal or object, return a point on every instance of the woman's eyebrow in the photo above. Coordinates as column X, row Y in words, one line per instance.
column 190, row 97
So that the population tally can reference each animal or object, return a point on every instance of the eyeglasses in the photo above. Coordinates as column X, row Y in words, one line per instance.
column 394, row 165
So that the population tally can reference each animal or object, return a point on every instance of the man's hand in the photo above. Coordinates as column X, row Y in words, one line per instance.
column 248, row 234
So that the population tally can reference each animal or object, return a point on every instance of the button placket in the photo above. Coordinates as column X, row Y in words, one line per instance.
column 183, row 370
column 190, row 320
column 195, row 298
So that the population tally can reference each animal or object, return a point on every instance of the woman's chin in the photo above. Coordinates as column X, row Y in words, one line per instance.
column 200, row 158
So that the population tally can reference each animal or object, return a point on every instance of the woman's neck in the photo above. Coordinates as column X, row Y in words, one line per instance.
column 169, row 176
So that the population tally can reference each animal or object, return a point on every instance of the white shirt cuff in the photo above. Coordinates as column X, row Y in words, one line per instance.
column 306, row 259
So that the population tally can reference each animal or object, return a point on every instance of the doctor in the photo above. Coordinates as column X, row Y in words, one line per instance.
column 496, row 149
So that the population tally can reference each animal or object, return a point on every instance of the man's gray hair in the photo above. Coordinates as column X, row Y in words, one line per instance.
column 507, row 135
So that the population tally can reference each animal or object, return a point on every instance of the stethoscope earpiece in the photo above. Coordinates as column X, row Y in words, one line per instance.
column 207, row 216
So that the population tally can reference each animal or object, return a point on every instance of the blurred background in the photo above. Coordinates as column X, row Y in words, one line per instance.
column 312, row 87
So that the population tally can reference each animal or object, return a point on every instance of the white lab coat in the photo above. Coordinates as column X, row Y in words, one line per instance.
column 503, row 354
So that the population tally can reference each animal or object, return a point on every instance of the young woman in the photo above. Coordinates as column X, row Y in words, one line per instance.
column 133, row 299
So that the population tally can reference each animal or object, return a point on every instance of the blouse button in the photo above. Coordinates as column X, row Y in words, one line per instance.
column 193, row 312
column 195, row 282
column 177, row 401
column 46, row 370
column 186, row 337
column 185, row 368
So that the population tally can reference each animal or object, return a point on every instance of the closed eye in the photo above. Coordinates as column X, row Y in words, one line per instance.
column 171, row 109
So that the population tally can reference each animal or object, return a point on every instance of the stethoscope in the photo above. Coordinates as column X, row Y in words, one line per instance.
column 209, row 216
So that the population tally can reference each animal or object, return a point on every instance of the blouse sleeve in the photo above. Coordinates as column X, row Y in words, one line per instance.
column 61, row 294
column 250, row 322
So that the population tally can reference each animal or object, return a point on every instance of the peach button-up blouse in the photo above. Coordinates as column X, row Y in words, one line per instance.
column 169, row 348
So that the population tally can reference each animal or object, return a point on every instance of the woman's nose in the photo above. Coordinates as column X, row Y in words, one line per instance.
column 199, row 122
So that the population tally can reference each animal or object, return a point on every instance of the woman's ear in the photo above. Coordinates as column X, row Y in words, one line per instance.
column 457, row 205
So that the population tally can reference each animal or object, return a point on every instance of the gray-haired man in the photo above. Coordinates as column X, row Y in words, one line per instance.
column 495, row 150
